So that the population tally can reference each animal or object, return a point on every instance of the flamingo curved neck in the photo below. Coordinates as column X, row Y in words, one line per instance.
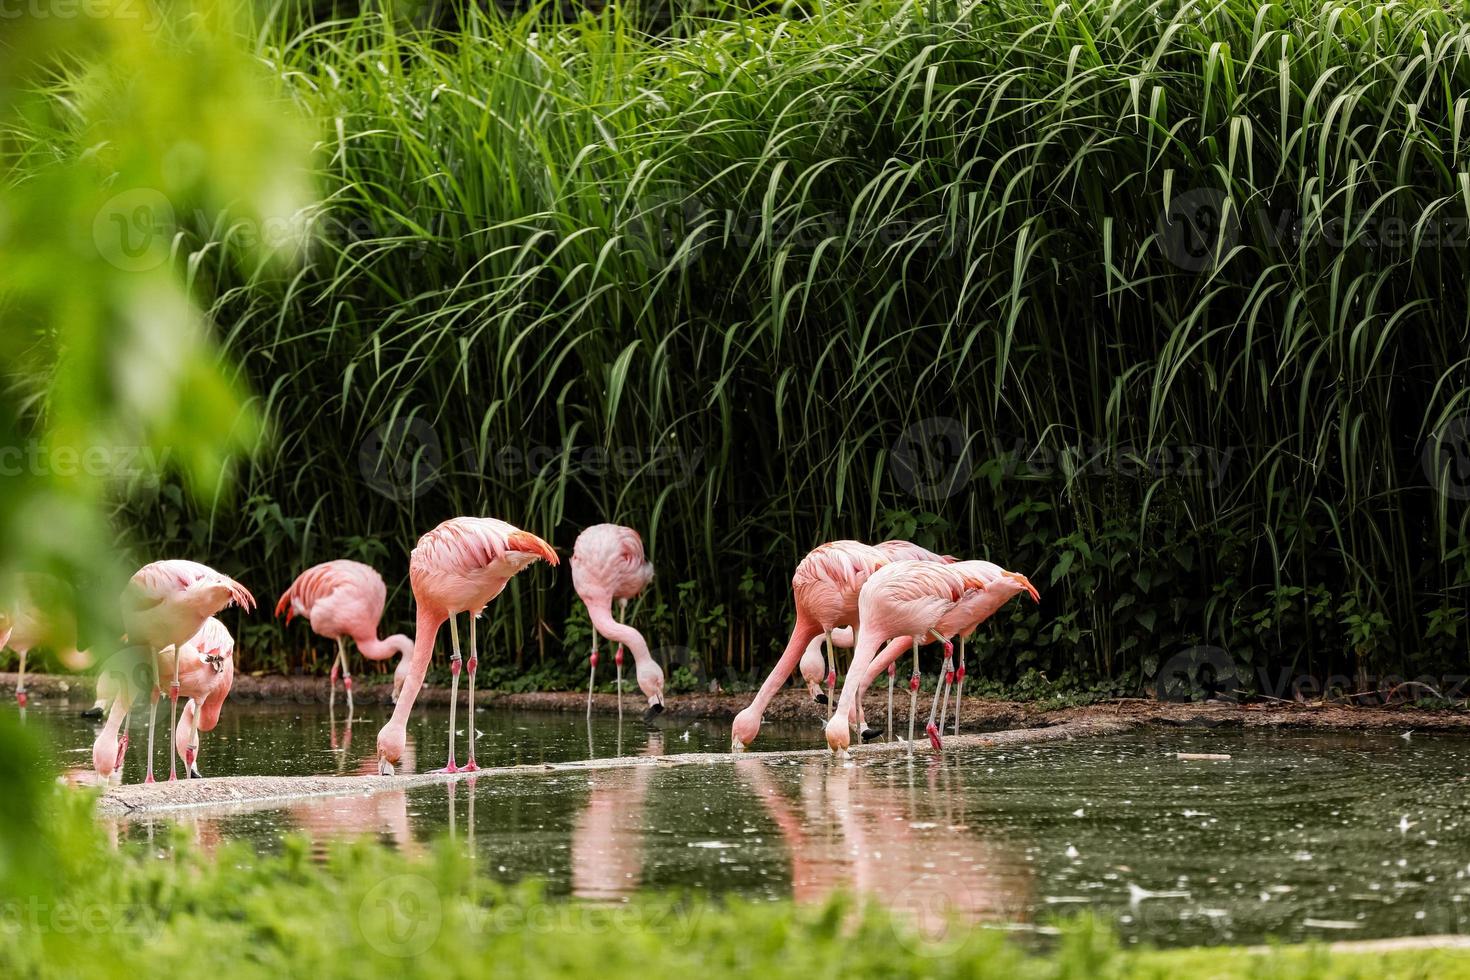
column 600, row 610
column 373, row 648
column 802, row 633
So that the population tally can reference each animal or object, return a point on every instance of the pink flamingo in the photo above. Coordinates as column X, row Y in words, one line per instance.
column 205, row 672
column 40, row 614
column 165, row 604
column 460, row 566
column 608, row 564
column 344, row 599
column 826, row 585
column 903, row 598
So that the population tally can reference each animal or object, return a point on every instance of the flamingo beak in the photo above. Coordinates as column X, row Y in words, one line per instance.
column 736, row 745
column 385, row 768
column 1026, row 585
column 654, row 710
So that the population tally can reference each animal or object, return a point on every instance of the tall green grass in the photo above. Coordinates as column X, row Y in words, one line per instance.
column 789, row 243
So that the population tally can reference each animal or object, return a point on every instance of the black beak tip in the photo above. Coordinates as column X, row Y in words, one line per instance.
column 93, row 713
column 820, row 697
column 654, row 710
column 195, row 773
column 869, row 734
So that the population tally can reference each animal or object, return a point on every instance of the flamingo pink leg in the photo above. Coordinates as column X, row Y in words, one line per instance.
column 892, row 670
column 454, row 665
column 20, row 684
column 592, row 675
column 474, row 664
column 618, row 662
column 152, row 716
column 831, row 675
column 914, row 693
column 941, row 693
column 346, row 671
column 959, row 686
column 332, row 681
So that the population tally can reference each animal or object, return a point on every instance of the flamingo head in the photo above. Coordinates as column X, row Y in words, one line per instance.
column 104, row 753
column 839, row 734
column 744, row 729
column 1022, row 584
column 651, row 683
column 391, row 741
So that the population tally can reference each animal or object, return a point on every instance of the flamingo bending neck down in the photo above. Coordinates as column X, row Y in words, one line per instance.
column 825, row 585
column 608, row 564
column 343, row 599
column 164, row 604
column 904, row 598
column 459, row 566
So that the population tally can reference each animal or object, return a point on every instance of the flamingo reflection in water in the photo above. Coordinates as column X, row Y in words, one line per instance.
column 607, row 838
column 868, row 831
column 383, row 816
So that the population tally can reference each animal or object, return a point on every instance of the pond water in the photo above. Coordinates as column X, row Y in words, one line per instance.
column 1297, row 836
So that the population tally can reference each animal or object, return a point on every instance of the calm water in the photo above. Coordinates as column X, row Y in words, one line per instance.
column 1296, row 837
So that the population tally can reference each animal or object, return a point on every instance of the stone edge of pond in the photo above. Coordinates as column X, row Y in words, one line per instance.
column 139, row 799
column 793, row 705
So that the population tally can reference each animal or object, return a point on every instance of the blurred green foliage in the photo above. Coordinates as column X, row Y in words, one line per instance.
column 110, row 374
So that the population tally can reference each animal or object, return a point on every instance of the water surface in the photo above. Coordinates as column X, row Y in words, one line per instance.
column 1297, row 836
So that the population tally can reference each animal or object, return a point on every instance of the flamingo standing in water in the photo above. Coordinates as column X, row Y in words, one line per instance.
column 458, row 567
column 37, row 612
column 206, row 672
column 164, row 604
column 344, row 599
column 826, row 586
column 608, row 564
column 903, row 598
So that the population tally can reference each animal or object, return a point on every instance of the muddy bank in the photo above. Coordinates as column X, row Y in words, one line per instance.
column 235, row 791
column 794, row 705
